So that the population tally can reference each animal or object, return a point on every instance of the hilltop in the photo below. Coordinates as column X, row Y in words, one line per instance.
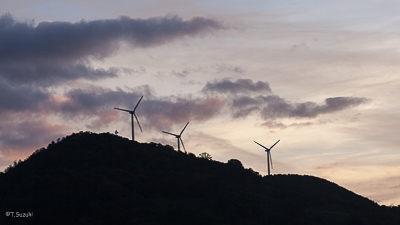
column 89, row 178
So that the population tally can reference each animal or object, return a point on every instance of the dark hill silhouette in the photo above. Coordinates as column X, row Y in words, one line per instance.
column 89, row 178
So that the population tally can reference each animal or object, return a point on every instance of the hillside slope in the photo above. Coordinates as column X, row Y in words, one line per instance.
column 89, row 178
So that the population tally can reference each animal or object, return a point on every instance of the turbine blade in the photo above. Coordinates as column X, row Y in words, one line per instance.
column 261, row 145
column 137, row 103
column 123, row 110
column 138, row 122
column 274, row 144
column 182, row 144
column 184, row 128
column 170, row 133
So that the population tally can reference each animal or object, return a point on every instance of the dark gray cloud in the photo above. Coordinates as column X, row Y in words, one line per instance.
column 244, row 96
column 36, row 59
column 98, row 38
column 279, row 108
column 240, row 86
column 47, row 74
column 95, row 106
column 90, row 102
column 242, row 106
column 163, row 113
column 21, row 98
column 275, row 107
column 53, row 52
column 160, row 113
column 94, row 109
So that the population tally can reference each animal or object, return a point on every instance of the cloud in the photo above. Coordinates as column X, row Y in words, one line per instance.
column 51, row 53
column 246, row 96
column 29, row 134
column 156, row 112
column 22, row 133
column 273, row 124
column 97, row 38
column 201, row 70
column 92, row 101
column 93, row 107
column 181, row 74
column 242, row 106
column 165, row 112
column 277, row 107
column 239, row 86
column 104, row 118
column 47, row 74
column 279, row 125
column 225, row 68
column 96, row 104
column 21, row 98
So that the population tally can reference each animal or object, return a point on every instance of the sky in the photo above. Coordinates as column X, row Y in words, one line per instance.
column 320, row 76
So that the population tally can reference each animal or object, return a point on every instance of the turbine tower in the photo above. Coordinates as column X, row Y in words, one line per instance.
column 132, row 112
column 178, row 137
column 269, row 158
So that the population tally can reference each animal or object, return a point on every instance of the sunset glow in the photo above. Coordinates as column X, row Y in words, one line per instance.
column 321, row 77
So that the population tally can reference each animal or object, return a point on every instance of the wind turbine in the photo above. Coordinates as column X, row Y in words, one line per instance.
column 178, row 137
column 269, row 158
column 132, row 112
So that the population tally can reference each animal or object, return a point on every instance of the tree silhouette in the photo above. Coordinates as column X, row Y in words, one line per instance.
column 205, row 155
column 235, row 162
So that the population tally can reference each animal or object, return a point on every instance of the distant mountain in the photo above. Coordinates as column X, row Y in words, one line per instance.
column 89, row 178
